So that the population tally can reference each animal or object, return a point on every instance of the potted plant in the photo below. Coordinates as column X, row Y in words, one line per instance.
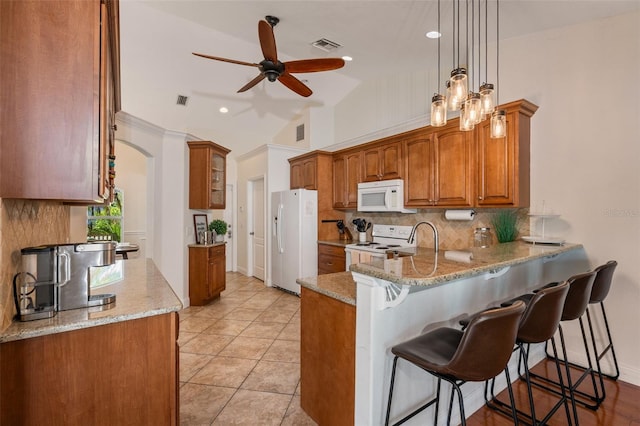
column 219, row 226
column 505, row 223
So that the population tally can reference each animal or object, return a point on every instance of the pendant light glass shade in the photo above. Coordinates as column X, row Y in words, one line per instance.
column 499, row 123
column 486, row 99
column 438, row 110
column 465, row 121
column 459, row 84
column 473, row 107
column 453, row 103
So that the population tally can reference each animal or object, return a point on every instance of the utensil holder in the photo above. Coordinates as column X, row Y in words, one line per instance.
column 362, row 237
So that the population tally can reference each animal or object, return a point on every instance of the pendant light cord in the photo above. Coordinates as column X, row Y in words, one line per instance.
column 497, row 52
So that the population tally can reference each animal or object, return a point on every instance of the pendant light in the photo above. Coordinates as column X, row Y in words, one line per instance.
column 438, row 102
column 499, row 116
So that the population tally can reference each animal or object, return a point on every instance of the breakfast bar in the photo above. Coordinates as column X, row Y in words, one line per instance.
column 406, row 294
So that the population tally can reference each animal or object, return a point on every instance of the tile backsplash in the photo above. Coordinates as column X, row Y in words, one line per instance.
column 454, row 235
column 25, row 223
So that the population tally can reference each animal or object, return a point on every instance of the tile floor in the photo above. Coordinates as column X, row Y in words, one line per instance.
column 240, row 358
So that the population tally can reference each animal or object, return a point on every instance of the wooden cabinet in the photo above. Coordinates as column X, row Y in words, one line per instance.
column 331, row 259
column 503, row 163
column 327, row 359
column 207, row 175
column 116, row 374
column 439, row 168
column 60, row 79
column 382, row 162
column 346, row 176
column 309, row 171
column 207, row 277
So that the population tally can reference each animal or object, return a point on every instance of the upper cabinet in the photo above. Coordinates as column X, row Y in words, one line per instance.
column 382, row 161
column 503, row 163
column 207, row 175
column 439, row 168
column 60, row 79
column 346, row 176
column 307, row 170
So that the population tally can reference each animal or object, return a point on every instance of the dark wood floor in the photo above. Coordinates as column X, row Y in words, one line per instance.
column 620, row 408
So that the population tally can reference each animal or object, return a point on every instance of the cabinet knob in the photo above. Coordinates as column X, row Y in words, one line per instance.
column 115, row 127
column 480, row 198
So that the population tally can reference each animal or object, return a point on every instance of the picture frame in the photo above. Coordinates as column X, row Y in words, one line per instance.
column 199, row 225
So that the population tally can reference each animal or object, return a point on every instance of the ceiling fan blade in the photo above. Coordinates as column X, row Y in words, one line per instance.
column 233, row 61
column 294, row 84
column 252, row 83
column 314, row 65
column 267, row 41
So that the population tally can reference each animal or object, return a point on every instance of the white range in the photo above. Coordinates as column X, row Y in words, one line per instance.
column 384, row 238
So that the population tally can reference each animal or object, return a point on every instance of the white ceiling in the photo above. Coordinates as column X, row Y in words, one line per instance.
column 383, row 37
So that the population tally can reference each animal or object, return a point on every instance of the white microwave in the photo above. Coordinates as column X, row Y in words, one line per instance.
column 382, row 196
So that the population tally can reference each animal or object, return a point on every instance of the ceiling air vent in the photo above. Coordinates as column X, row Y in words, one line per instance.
column 326, row 45
column 300, row 133
column 182, row 100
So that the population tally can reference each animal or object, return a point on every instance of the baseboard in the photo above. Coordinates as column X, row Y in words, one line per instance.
column 243, row 271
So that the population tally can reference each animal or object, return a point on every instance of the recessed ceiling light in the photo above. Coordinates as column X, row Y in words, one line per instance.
column 347, row 58
column 224, row 110
column 433, row 34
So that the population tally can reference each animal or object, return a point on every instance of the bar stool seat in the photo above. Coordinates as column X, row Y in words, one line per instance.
column 538, row 323
column 478, row 353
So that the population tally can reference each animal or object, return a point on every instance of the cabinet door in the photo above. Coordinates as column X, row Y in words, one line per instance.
column 382, row 162
column 418, row 187
column 217, row 263
column 453, row 170
column 297, row 175
column 371, row 165
column 352, row 173
column 339, row 182
column 309, row 172
column 496, row 166
column 217, row 195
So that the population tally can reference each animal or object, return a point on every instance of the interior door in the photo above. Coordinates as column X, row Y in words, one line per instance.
column 228, row 217
column 257, row 228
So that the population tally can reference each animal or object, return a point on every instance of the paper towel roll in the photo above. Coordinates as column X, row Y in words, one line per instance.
column 458, row 256
column 459, row 214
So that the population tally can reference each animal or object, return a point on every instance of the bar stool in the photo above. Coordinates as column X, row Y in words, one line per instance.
column 599, row 292
column 477, row 354
column 538, row 324
column 574, row 308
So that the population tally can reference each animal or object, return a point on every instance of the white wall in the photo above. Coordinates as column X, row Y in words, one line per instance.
column 584, row 158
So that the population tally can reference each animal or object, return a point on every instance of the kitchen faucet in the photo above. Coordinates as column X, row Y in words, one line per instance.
column 412, row 235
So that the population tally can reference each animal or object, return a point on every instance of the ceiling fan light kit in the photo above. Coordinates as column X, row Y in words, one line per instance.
column 474, row 106
column 272, row 69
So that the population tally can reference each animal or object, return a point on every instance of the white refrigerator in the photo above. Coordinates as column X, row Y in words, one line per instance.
column 294, row 237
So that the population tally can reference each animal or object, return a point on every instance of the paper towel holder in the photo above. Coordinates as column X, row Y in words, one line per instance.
column 459, row 214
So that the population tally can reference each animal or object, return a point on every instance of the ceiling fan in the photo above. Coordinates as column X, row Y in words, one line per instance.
column 273, row 69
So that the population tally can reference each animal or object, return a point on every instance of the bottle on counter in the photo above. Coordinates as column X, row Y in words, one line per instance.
column 482, row 237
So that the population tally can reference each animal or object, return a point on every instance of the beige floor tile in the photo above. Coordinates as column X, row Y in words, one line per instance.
column 263, row 329
column 243, row 314
column 185, row 336
column 247, row 347
column 295, row 416
column 191, row 363
column 254, row 408
column 208, row 344
column 275, row 315
column 287, row 303
column 224, row 371
column 258, row 302
column 227, row 327
column 241, row 295
column 283, row 350
column 277, row 377
column 196, row 324
column 290, row 332
column 200, row 404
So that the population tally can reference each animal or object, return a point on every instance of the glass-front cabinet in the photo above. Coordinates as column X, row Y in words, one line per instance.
column 207, row 175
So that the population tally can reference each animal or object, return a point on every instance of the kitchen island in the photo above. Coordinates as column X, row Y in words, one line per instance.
column 115, row 364
column 399, row 298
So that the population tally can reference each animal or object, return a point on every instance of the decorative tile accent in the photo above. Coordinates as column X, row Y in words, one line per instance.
column 25, row 223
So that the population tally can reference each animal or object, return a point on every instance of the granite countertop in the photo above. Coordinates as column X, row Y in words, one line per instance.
column 426, row 268
column 339, row 285
column 339, row 243
column 142, row 292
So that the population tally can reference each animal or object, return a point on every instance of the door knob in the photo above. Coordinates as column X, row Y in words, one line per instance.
column 251, row 233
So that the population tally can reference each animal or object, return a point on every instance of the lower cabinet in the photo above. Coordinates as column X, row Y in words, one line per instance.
column 206, row 273
column 331, row 259
column 114, row 374
column 327, row 359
